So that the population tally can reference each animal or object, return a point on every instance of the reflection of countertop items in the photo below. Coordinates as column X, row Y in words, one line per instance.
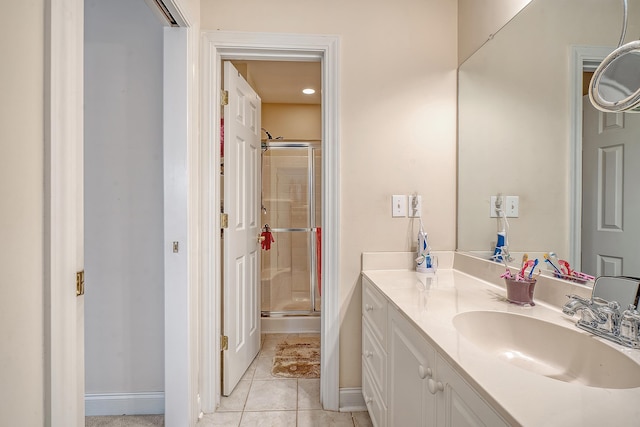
column 521, row 397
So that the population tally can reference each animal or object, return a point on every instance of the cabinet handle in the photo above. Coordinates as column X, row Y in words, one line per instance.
column 424, row 372
column 434, row 386
column 368, row 353
column 368, row 307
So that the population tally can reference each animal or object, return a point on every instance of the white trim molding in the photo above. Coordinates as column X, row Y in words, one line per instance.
column 63, row 214
column 583, row 58
column 220, row 45
column 150, row 403
column 352, row 400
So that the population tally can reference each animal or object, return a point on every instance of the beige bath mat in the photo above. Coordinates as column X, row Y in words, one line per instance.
column 297, row 358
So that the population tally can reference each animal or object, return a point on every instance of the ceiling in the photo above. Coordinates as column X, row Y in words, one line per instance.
column 281, row 82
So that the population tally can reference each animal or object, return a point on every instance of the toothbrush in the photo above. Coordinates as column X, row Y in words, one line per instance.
column 526, row 265
column 564, row 265
column 504, row 261
column 535, row 263
column 546, row 259
column 525, row 257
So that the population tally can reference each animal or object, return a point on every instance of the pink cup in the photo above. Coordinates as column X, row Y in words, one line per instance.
column 520, row 292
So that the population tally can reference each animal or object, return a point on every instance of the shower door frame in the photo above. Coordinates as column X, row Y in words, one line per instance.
column 310, row 146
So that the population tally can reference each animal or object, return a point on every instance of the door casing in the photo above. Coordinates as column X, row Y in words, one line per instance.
column 583, row 58
column 63, row 214
column 63, row 217
column 226, row 45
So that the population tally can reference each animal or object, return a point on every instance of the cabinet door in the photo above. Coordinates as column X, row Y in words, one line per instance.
column 410, row 364
column 459, row 405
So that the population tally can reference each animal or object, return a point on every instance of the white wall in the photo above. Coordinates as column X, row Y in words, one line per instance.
column 21, row 215
column 123, row 198
column 293, row 121
column 398, row 119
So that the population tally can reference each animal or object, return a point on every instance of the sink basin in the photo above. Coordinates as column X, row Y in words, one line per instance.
column 548, row 349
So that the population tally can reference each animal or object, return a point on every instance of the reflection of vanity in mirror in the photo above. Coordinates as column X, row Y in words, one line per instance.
column 521, row 133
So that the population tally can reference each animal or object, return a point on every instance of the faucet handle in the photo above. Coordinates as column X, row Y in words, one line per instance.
column 579, row 298
column 630, row 326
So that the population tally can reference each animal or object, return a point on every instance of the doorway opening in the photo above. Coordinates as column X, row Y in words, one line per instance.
column 268, row 190
column 290, row 192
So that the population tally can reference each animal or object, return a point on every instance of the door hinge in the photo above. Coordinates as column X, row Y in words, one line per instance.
column 224, row 220
column 224, row 342
column 80, row 283
column 224, row 97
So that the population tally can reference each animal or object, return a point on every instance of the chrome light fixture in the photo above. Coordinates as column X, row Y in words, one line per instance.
column 615, row 85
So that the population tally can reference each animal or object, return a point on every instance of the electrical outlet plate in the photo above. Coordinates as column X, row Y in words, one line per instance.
column 493, row 213
column 510, row 205
column 398, row 206
column 415, row 206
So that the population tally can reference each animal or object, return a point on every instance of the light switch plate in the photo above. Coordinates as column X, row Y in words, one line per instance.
column 512, row 206
column 398, row 206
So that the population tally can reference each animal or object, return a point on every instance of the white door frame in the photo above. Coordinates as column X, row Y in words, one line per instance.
column 63, row 219
column 63, row 213
column 219, row 45
column 181, row 177
column 583, row 58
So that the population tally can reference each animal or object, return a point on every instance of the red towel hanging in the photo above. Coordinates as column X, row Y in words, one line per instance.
column 319, row 258
column 267, row 238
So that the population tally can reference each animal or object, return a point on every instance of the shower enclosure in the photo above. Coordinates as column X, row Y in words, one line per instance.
column 291, row 197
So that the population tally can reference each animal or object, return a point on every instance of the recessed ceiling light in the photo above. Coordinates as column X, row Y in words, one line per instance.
column 308, row 91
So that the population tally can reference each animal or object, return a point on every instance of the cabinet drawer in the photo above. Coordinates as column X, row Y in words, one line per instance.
column 374, row 310
column 375, row 358
column 375, row 405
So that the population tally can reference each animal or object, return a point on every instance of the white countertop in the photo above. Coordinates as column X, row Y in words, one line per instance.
column 521, row 397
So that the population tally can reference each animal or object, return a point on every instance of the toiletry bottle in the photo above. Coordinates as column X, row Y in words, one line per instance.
column 424, row 256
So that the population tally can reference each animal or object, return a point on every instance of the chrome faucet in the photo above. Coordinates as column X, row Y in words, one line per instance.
column 604, row 319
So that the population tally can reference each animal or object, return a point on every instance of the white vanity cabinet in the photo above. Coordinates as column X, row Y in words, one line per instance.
column 405, row 381
column 374, row 356
column 411, row 363
column 458, row 404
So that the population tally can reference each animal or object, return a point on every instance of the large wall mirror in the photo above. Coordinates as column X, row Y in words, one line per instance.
column 518, row 127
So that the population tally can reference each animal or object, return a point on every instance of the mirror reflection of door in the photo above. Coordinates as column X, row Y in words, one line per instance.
column 610, row 193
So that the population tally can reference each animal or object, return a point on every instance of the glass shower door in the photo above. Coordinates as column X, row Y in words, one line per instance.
column 288, row 274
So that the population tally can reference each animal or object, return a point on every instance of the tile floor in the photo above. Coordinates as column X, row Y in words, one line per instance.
column 261, row 400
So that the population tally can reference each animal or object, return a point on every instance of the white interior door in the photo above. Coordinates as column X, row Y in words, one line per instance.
column 241, row 292
column 610, row 198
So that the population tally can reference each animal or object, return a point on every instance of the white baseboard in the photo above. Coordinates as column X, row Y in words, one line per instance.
column 290, row 324
column 124, row 403
column 351, row 400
